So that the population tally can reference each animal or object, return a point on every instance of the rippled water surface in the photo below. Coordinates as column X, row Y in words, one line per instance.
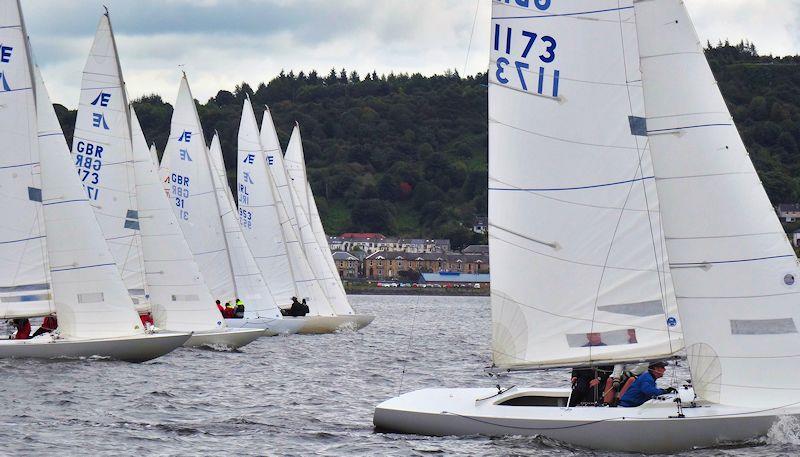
column 296, row 395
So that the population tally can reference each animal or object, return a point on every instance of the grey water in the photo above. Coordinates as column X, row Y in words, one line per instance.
column 294, row 395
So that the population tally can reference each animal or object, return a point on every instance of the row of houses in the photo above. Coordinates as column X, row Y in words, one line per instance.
column 371, row 243
column 384, row 265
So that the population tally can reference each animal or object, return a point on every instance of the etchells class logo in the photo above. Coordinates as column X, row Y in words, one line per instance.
column 5, row 57
column 672, row 321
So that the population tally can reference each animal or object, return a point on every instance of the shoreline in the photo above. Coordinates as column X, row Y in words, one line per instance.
column 454, row 292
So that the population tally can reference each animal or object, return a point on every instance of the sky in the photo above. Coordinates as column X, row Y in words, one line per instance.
column 221, row 43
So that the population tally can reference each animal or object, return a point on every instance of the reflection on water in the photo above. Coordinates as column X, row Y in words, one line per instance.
column 296, row 395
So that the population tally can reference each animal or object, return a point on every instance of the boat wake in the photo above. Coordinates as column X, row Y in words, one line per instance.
column 785, row 431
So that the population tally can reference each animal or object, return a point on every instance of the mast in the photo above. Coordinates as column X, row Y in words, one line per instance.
column 126, row 103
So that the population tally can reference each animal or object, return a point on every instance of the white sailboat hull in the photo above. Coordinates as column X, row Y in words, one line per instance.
column 272, row 326
column 230, row 338
column 651, row 428
column 314, row 325
column 137, row 348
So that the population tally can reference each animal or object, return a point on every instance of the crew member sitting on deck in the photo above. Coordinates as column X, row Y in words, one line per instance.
column 23, row 329
column 297, row 309
column 220, row 307
column 587, row 385
column 238, row 310
column 229, row 311
column 644, row 388
column 48, row 325
column 306, row 310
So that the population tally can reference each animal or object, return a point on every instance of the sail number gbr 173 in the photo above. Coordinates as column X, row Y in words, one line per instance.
column 522, row 57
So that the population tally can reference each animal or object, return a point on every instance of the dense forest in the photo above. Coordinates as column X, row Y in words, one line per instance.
column 407, row 154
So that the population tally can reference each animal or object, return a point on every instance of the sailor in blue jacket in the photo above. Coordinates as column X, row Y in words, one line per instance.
column 644, row 387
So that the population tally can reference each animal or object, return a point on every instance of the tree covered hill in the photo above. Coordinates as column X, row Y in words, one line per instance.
column 407, row 154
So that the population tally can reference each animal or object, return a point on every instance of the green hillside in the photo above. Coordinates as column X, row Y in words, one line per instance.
column 406, row 154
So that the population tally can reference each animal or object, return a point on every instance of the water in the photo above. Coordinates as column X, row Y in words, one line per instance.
column 296, row 395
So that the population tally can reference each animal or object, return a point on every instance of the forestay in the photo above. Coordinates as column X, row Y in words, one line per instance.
column 734, row 270
column 251, row 287
column 265, row 223
column 179, row 297
column 91, row 299
column 101, row 152
column 579, row 274
column 24, row 281
column 194, row 199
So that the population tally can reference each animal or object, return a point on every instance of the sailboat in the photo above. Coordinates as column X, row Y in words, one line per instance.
column 304, row 219
column 575, row 87
column 317, row 247
column 263, row 312
column 51, row 229
column 115, row 166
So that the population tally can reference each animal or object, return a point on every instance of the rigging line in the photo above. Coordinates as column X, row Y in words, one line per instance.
column 605, row 264
column 410, row 342
column 586, row 264
column 585, row 205
column 564, row 140
column 715, row 237
column 535, row 74
column 557, row 189
column 718, row 262
column 687, row 127
column 662, row 287
column 662, row 242
column 471, row 34
column 577, row 13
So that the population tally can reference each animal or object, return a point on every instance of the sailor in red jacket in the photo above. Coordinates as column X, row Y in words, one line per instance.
column 23, row 329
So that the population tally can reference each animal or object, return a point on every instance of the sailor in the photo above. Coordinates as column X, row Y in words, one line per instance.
column 619, row 376
column 48, row 325
column 586, row 384
column 23, row 329
column 644, row 388
column 220, row 307
column 594, row 339
column 228, row 312
column 238, row 310
column 297, row 309
column 306, row 310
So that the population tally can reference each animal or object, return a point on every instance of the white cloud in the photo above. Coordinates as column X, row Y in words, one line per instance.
column 224, row 42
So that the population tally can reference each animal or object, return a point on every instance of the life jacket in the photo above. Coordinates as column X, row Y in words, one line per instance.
column 147, row 319
column 50, row 323
column 24, row 331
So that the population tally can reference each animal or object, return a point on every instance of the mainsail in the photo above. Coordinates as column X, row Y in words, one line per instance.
column 24, row 278
column 579, row 273
column 101, row 152
column 194, row 197
column 179, row 296
column 735, row 273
